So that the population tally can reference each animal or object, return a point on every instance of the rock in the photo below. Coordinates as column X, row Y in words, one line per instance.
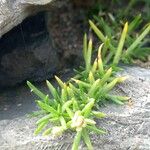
column 66, row 25
column 86, row 3
column 40, row 45
column 127, row 125
column 13, row 12
column 27, row 53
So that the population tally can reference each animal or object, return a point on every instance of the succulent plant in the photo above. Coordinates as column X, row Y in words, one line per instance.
column 75, row 104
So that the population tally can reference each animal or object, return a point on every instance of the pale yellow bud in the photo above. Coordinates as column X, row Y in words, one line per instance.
column 57, row 131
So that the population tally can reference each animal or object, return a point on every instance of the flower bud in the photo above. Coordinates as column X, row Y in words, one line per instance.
column 57, row 131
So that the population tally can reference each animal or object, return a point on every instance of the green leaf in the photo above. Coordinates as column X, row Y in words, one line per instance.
column 47, row 132
column 98, row 114
column 85, row 47
column 63, row 95
column 88, row 57
column 99, row 60
column 86, row 139
column 93, row 88
column 52, row 90
column 63, row 122
column 69, row 112
column 59, row 108
column 70, row 92
column 142, row 53
column 74, row 88
column 43, row 119
column 97, row 31
column 66, row 105
column 120, row 45
column 91, row 78
column 46, row 107
column 40, row 127
column 35, row 90
column 100, row 34
column 110, row 85
column 117, row 99
column 105, row 47
column 94, row 67
column 81, row 83
column 87, row 109
column 47, row 100
column 75, row 105
column 106, row 76
column 135, row 23
column 77, row 139
column 137, row 41
column 96, row 130
column 104, row 25
column 61, row 84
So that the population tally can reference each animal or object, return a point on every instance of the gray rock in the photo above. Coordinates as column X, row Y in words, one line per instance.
column 36, row 63
column 127, row 125
column 13, row 12
column 36, row 48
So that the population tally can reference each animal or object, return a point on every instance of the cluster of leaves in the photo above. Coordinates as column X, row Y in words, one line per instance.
column 66, row 112
column 121, row 9
column 132, row 8
column 128, row 48
column 74, row 105
column 111, row 15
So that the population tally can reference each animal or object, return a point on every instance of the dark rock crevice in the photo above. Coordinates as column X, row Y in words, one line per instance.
column 27, row 52
column 42, row 44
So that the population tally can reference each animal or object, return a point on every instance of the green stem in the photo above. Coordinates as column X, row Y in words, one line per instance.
column 86, row 139
column 77, row 140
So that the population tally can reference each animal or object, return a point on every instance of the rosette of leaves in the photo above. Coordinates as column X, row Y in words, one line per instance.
column 73, row 105
column 96, row 80
column 130, row 46
column 63, row 111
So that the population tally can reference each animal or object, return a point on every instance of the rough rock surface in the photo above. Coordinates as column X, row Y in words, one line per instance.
column 13, row 12
column 127, row 125
column 66, row 26
column 27, row 52
column 42, row 43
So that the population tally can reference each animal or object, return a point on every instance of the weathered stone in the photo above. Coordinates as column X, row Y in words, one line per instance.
column 127, row 125
column 13, row 12
column 66, row 26
column 41, row 44
column 27, row 53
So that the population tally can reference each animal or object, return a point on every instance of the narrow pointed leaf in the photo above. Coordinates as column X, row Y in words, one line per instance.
column 86, row 139
column 77, row 139
column 85, row 47
column 89, row 55
column 46, row 107
column 52, row 90
column 120, row 45
column 137, row 41
column 35, row 90
column 47, row 132
column 96, row 130
column 40, row 127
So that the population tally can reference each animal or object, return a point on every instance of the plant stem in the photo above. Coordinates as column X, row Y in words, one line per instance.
column 77, row 140
column 87, row 139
